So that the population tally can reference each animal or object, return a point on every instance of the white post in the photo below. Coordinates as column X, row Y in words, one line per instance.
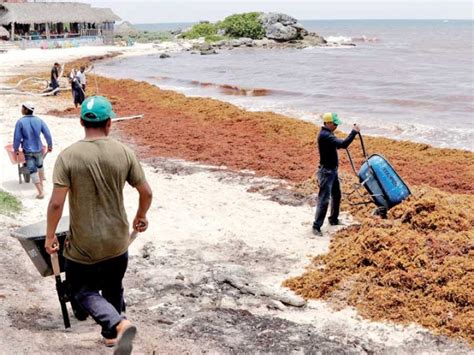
column 48, row 33
column 12, row 36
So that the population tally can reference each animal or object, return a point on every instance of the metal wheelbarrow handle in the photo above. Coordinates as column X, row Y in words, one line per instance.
column 60, row 289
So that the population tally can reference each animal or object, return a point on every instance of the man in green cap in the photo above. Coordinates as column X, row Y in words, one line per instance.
column 328, row 179
column 93, row 172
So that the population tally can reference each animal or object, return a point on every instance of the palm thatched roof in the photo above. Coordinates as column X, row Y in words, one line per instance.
column 54, row 12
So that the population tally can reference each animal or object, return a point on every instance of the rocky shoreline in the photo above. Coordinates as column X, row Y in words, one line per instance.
column 280, row 31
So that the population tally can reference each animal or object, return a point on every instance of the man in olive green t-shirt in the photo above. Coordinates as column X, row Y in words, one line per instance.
column 93, row 172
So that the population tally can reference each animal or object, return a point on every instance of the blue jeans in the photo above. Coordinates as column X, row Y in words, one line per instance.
column 98, row 290
column 34, row 161
column 54, row 84
column 329, row 188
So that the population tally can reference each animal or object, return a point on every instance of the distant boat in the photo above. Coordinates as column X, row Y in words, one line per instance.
column 445, row 21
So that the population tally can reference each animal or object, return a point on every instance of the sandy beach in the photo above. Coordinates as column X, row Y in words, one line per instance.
column 207, row 275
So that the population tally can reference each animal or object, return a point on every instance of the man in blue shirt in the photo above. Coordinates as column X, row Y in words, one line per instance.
column 328, row 179
column 28, row 130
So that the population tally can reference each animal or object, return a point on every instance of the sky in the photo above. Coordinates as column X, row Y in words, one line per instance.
column 167, row 11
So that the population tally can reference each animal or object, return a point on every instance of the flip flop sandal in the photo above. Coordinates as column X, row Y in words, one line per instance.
column 109, row 343
column 124, row 342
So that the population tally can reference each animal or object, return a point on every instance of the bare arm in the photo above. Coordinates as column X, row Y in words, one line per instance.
column 55, row 211
column 140, row 223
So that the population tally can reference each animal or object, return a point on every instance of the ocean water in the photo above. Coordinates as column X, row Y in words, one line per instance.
column 409, row 80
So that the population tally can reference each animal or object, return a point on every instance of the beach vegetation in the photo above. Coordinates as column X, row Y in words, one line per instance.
column 9, row 204
column 146, row 37
column 234, row 26
column 215, row 38
column 243, row 25
column 205, row 29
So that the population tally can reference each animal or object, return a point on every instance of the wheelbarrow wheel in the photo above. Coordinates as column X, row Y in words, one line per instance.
column 19, row 174
column 23, row 170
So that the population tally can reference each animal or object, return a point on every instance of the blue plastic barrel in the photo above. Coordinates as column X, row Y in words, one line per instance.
column 382, row 182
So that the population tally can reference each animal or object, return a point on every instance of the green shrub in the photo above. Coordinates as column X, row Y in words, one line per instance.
column 215, row 38
column 200, row 30
column 146, row 36
column 9, row 204
column 243, row 25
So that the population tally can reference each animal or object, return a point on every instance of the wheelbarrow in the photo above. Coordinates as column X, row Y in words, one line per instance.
column 385, row 187
column 19, row 159
column 32, row 239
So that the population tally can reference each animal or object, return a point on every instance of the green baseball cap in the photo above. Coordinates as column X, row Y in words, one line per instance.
column 96, row 109
column 331, row 117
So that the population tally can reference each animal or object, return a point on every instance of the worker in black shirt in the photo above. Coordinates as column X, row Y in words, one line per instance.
column 54, row 84
column 328, row 179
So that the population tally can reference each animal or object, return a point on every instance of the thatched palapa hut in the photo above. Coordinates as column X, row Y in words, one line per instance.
column 56, row 20
column 4, row 33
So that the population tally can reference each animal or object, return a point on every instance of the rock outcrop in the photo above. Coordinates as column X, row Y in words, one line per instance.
column 281, row 27
column 280, row 31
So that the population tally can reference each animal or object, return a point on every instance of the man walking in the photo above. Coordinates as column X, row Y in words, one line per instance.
column 81, row 75
column 55, row 77
column 28, row 130
column 329, row 187
column 77, row 91
column 93, row 172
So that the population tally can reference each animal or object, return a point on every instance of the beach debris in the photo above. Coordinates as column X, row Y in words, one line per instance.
column 164, row 56
column 33, row 83
column 235, row 276
column 126, row 118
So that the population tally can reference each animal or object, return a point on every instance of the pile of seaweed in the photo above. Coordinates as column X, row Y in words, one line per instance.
column 416, row 266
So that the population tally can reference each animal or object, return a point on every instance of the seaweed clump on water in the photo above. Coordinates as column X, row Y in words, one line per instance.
column 418, row 266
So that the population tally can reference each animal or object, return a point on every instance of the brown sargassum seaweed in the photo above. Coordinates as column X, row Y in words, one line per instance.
column 417, row 266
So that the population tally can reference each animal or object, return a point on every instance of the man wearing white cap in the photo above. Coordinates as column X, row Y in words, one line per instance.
column 28, row 130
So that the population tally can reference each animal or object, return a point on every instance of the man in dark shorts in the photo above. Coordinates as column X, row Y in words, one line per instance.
column 28, row 130
column 93, row 173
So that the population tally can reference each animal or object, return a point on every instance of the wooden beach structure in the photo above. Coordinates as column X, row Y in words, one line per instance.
column 56, row 24
column 4, row 34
